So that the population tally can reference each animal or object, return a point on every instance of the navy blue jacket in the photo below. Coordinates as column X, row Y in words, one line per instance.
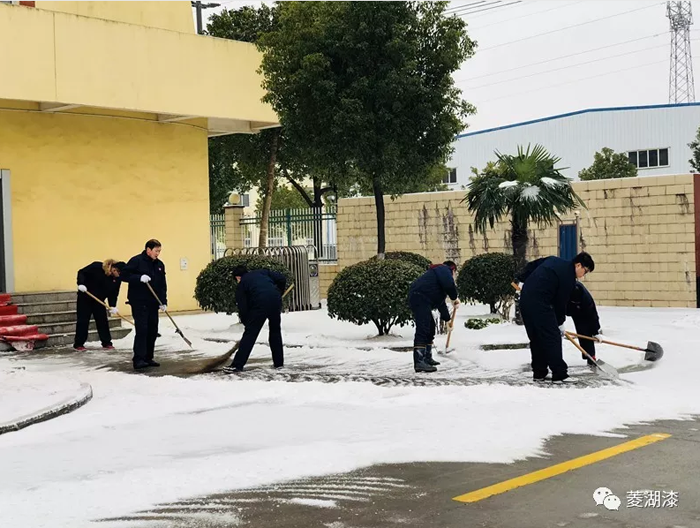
column 582, row 309
column 139, row 293
column 259, row 291
column 548, row 284
column 434, row 285
column 100, row 285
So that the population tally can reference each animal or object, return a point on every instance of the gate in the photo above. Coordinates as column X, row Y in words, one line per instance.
column 568, row 241
column 217, row 235
column 306, row 294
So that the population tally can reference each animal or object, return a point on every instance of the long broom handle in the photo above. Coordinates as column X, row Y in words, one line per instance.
column 107, row 306
column 160, row 303
column 452, row 323
column 608, row 342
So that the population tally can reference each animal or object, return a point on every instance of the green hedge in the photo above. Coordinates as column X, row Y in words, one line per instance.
column 407, row 256
column 486, row 279
column 374, row 291
column 216, row 286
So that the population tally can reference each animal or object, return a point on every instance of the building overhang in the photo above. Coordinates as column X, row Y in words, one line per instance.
column 63, row 63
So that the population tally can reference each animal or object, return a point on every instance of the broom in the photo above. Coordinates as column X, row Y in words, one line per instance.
column 214, row 363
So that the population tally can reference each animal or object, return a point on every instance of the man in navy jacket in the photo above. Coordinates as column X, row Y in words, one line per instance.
column 259, row 298
column 141, row 270
column 547, row 287
column 427, row 293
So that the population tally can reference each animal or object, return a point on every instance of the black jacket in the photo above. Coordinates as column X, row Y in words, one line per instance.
column 100, row 285
column 139, row 293
column 547, row 283
column 582, row 309
column 434, row 285
column 259, row 291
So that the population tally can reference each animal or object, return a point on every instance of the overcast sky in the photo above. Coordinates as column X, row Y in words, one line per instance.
column 617, row 55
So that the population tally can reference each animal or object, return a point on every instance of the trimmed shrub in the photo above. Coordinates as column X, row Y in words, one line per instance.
column 406, row 256
column 216, row 285
column 374, row 291
column 486, row 279
column 479, row 324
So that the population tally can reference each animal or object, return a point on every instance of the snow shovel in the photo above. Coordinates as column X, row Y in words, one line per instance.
column 599, row 363
column 449, row 334
column 653, row 351
column 177, row 329
column 107, row 306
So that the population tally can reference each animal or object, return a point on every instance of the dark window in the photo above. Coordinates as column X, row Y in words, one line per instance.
column 245, row 200
column 450, row 177
column 633, row 158
column 643, row 159
column 663, row 157
column 654, row 158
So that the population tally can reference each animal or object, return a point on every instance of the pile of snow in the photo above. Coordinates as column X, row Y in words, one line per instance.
column 145, row 441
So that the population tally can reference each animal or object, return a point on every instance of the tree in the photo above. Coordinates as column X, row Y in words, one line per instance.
column 607, row 164
column 283, row 198
column 695, row 149
column 527, row 188
column 245, row 161
column 369, row 87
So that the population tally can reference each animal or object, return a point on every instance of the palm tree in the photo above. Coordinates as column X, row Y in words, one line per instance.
column 526, row 187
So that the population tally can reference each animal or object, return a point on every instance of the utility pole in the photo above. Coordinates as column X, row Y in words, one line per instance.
column 681, row 86
column 199, row 6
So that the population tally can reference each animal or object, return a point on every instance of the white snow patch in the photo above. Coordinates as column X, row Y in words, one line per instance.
column 551, row 182
column 508, row 184
column 317, row 503
column 531, row 192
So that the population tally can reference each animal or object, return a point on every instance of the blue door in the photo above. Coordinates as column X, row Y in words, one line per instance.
column 568, row 238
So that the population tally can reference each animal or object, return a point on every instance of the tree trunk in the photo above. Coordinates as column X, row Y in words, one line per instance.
column 269, row 189
column 519, row 239
column 379, row 203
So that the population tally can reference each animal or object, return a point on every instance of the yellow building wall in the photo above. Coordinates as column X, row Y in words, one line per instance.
column 86, row 188
column 640, row 232
column 175, row 16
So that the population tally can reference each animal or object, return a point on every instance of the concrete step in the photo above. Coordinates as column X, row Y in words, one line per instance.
column 63, row 340
column 38, row 297
column 67, row 316
column 47, row 307
column 69, row 326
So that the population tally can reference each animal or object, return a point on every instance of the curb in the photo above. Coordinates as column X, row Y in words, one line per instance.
column 64, row 407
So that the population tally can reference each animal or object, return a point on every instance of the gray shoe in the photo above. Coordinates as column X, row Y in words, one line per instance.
column 419, row 363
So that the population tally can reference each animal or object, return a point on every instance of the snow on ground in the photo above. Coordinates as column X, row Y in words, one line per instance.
column 149, row 440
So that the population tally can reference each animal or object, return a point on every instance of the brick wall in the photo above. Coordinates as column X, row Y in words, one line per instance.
column 326, row 274
column 640, row 232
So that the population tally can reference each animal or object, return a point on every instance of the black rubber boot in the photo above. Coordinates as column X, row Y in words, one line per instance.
column 419, row 363
column 429, row 356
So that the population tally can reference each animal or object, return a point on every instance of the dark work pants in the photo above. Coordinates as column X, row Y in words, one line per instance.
column 146, row 322
column 423, row 318
column 253, row 325
column 545, row 341
column 584, row 328
column 87, row 308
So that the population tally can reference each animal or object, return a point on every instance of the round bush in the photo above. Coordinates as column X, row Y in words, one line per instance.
column 486, row 279
column 374, row 291
column 406, row 256
column 216, row 285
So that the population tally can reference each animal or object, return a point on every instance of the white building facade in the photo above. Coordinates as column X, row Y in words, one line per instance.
column 655, row 138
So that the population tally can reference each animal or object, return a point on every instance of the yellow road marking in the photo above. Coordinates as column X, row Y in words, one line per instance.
column 558, row 469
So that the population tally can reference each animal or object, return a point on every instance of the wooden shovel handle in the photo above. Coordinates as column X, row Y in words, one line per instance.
column 107, row 306
column 452, row 324
column 607, row 342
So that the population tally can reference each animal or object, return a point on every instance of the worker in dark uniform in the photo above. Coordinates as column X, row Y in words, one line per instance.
column 141, row 271
column 259, row 298
column 582, row 310
column 101, row 279
column 547, row 287
column 427, row 293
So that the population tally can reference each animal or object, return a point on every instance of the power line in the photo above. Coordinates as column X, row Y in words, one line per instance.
column 462, row 6
column 561, row 57
column 566, row 67
column 573, row 81
column 569, row 27
column 487, row 7
column 527, row 15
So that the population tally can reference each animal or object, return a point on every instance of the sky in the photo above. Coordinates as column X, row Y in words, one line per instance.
column 540, row 58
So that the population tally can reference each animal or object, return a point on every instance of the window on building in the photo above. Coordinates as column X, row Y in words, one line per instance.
column 649, row 159
column 450, row 177
column 245, row 200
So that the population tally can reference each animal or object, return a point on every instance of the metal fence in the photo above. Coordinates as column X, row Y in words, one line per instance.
column 217, row 232
column 313, row 227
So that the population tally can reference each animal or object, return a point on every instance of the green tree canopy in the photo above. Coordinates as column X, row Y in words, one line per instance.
column 695, row 150
column 369, row 87
column 607, row 164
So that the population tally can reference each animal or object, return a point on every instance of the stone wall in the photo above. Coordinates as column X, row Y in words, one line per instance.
column 640, row 232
